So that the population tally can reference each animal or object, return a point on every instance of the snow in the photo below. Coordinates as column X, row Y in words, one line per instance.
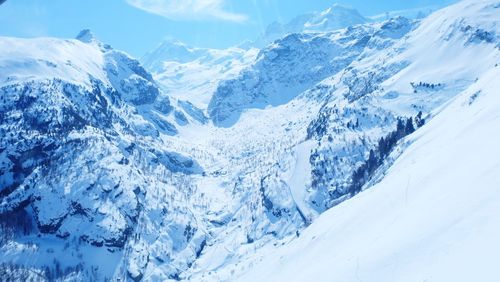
column 332, row 18
column 91, row 110
column 432, row 218
column 300, row 176
column 291, row 66
column 191, row 74
column 171, row 195
column 71, row 60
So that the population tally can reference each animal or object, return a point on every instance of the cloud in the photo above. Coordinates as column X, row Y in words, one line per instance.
column 182, row 10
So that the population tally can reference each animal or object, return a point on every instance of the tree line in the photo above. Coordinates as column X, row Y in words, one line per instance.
column 377, row 155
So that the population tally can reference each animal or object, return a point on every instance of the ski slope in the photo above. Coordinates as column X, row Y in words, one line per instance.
column 433, row 217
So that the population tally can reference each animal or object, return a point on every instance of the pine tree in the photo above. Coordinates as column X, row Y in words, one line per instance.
column 419, row 121
column 382, row 145
column 372, row 162
column 409, row 126
column 400, row 130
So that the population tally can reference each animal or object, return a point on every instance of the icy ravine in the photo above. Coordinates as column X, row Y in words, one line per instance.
column 432, row 218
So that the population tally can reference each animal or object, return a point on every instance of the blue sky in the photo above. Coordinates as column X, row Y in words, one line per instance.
column 137, row 26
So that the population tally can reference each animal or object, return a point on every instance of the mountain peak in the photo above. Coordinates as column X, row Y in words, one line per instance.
column 338, row 9
column 338, row 6
column 335, row 17
column 86, row 36
column 173, row 40
column 343, row 15
column 170, row 49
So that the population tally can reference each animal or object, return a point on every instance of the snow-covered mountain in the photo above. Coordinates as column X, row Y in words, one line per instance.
column 333, row 18
column 432, row 217
column 80, row 154
column 353, row 121
column 108, row 173
column 192, row 74
column 297, row 62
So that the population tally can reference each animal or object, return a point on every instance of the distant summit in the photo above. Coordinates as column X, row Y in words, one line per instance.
column 193, row 73
column 335, row 17
column 86, row 36
column 170, row 50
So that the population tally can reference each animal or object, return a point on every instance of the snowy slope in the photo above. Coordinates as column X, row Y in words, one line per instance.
column 120, row 171
column 399, row 82
column 354, row 109
column 433, row 217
